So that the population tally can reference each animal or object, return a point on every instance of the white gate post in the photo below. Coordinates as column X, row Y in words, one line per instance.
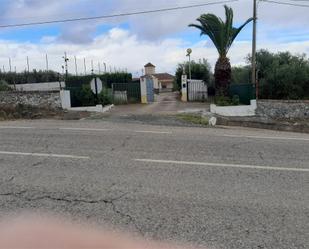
column 143, row 90
column 65, row 97
column 184, row 88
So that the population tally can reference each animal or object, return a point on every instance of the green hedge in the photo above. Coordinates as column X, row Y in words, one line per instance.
column 107, row 79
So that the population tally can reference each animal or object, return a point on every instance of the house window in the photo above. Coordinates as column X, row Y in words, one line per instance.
column 164, row 86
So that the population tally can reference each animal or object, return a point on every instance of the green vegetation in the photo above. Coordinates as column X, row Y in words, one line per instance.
column 31, row 77
column 281, row 75
column 105, row 97
column 200, row 70
column 222, row 35
column 4, row 86
column 107, row 79
column 227, row 101
column 193, row 118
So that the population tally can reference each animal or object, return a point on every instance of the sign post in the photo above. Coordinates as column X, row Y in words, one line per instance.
column 96, row 86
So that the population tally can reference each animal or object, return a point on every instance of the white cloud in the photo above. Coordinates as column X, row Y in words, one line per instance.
column 122, row 49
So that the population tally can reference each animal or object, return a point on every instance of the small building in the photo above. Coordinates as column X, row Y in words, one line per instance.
column 161, row 81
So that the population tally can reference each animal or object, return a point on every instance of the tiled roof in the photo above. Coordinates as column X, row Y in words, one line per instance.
column 149, row 65
column 163, row 76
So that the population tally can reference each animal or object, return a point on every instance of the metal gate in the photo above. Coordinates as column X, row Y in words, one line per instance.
column 197, row 90
column 127, row 92
column 149, row 90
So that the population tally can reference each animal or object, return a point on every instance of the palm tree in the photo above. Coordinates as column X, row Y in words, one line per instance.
column 222, row 35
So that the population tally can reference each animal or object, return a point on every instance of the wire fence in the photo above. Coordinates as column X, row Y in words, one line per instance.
column 75, row 65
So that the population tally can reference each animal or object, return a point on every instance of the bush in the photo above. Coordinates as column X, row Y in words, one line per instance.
column 82, row 96
column 105, row 97
column 235, row 100
column 227, row 101
column 4, row 86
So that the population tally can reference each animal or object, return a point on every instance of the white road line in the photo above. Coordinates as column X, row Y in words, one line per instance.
column 155, row 132
column 16, row 127
column 83, row 129
column 264, row 137
column 42, row 155
column 226, row 165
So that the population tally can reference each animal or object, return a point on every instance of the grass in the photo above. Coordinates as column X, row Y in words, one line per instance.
column 194, row 119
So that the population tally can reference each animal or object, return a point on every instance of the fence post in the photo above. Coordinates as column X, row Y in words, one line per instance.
column 184, row 88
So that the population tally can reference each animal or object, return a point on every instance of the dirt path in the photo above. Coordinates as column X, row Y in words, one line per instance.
column 166, row 103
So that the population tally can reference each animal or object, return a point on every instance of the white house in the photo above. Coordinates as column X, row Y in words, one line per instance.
column 161, row 81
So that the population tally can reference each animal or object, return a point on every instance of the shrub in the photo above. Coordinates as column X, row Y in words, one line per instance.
column 4, row 86
column 235, row 100
column 105, row 97
column 86, row 96
column 222, row 101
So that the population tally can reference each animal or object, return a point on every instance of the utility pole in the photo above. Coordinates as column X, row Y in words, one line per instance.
column 66, row 59
column 99, row 65
column 28, row 64
column 91, row 66
column 85, row 68
column 46, row 58
column 189, row 52
column 253, row 79
column 10, row 65
column 104, row 67
column 75, row 65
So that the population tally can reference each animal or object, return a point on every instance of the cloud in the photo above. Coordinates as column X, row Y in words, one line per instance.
column 120, row 48
column 156, row 26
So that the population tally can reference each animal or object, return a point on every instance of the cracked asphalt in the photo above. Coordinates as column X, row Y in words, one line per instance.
column 214, row 187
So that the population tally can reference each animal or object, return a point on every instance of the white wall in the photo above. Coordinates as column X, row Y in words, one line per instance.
column 48, row 86
column 235, row 111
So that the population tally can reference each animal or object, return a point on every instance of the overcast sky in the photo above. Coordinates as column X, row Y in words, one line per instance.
column 130, row 42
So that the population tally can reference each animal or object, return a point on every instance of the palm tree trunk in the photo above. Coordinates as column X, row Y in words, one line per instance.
column 223, row 74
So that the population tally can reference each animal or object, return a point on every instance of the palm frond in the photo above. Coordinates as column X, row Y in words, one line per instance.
column 221, row 33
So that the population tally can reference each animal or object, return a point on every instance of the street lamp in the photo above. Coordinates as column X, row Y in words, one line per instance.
column 189, row 52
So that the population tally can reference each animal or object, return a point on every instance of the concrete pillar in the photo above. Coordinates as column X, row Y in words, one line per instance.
column 143, row 90
column 65, row 97
column 184, row 86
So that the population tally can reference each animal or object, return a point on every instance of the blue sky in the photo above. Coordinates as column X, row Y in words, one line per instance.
column 130, row 42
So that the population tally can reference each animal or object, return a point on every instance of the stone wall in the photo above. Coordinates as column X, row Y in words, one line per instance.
column 39, row 99
column 283, row 109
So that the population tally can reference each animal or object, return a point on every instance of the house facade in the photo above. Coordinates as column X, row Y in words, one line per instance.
column 161, row 81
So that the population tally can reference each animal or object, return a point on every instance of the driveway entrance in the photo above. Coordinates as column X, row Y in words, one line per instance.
column 165, row 103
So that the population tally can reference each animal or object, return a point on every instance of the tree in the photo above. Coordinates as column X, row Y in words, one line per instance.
column 199, row 71
column 222, row 35
column 281, row 75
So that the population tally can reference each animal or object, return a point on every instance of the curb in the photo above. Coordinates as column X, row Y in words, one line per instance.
column 264, row 124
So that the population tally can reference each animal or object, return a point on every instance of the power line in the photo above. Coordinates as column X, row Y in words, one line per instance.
column 286, row 3
column 115, row 15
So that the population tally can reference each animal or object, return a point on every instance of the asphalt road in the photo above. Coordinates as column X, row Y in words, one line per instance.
column 220, row 188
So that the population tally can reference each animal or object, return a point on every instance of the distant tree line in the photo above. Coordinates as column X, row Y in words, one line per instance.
column 29, row 77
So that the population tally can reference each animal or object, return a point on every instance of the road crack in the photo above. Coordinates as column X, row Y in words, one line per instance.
column 128, row 216
column 111, row 201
